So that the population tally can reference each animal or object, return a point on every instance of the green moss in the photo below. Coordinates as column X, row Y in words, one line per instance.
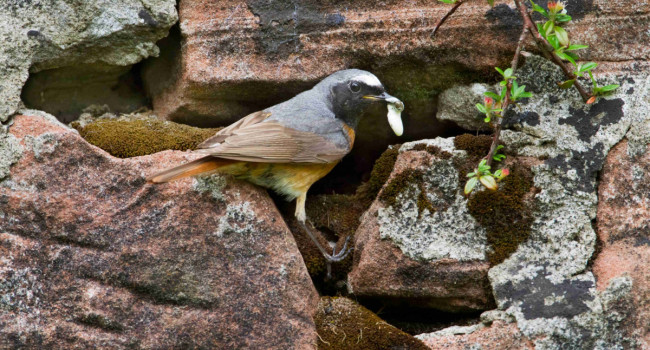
column 138, row 137
column 343, row 324
column 381, row 171
column 401, row 182
column 476, row 146
column 505, row 214
column 434, row 150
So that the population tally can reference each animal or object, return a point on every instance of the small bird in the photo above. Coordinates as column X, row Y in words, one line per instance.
column 289, row 146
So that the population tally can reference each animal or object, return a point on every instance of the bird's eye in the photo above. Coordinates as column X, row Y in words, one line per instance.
column 355, row 87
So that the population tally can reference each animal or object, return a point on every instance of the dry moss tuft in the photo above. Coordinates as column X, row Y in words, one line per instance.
column 434, row 150
column 139, row 137
column 505, row 214
column 343, row 324
column 476, row 146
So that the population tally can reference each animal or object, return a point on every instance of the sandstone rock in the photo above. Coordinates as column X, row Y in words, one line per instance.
column 344, row 324
column 499, row 335
column 418, row 244
column 458, row 105
column 94, row 257
column 546, row 284
column 624, row 234
column 42, row 35
column 236, row 57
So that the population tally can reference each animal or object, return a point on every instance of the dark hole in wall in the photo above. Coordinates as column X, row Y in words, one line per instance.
column 414, row 320
column 65, row 92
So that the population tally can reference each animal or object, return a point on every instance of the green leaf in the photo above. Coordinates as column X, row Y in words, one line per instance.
column 562, row 36
column 488, row 181
column 611, row 87
column 587, row 66
column 525, row 94
column 503, row 83
column 491, row 3
column 561, row 17
column 469, row 186
column 508, row 73
column 539, row 9
column 472, row 174
column 540, row 29
column 566, row 84
column 499, row 147
column 503, row 94
column 487, row 119
column 577, row 47
column 499, row 70
column 448, row 1
column 496, row 97
column 481, row 108
column 554, row 42
column 548, row 28
column 566, row 56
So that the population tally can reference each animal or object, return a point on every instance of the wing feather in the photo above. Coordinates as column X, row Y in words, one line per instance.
column 256, row 140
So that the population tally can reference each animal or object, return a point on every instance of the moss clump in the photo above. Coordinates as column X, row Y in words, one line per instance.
column 139, row 137
column 400, row 183
column 477, row 147
column 343, row 324
column 434, row 150
column 505, row 214
column 381, row 171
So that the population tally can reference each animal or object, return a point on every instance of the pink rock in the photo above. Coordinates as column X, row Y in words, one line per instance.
column 237, row 56
column 383, row 268
column 499, row 335
column 94, row 257
column 624, row 232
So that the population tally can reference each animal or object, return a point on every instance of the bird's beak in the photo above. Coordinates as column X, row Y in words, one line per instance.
column 395, row 108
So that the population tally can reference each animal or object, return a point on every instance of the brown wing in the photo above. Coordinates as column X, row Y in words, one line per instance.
column 270, row 142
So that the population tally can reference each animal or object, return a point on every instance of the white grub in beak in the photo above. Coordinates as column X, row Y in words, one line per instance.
column 395, row 108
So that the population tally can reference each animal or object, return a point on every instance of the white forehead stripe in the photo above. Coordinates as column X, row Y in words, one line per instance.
column 369, row 80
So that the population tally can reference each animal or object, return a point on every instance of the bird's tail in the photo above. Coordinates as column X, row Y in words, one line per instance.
column 196, row 167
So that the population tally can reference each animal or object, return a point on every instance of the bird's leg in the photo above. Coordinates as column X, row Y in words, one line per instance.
column 301, row 215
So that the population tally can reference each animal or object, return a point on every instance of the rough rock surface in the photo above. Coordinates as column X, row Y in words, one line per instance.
column 624, row 234
column 93, row 256
column 546, row 284
column 499, row 335
column 432, row 255
column 458, row 105
column 247, row 52
column 45, row 34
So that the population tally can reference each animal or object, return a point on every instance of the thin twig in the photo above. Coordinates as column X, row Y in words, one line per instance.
column 548, row 50
column 443, row 19
column 506, row 102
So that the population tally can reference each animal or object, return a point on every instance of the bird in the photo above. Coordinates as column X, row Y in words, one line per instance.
column 289, row 146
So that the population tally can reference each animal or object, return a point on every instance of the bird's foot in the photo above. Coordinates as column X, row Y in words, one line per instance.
column 330, row 258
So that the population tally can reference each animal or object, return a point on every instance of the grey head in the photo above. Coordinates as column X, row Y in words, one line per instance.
column 344, row 95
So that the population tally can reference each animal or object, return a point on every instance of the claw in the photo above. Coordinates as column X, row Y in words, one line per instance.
column 334, row 257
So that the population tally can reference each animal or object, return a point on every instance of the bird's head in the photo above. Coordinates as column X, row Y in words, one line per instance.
column 353, row 91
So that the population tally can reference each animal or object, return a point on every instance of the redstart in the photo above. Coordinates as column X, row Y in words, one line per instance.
column 289, row 146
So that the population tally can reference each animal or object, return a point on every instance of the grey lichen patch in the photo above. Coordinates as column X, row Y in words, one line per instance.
column 214, row 184
column 544, row 284
column 42, row 145
column 238, row 219
column 10, row 152
column 448, row 232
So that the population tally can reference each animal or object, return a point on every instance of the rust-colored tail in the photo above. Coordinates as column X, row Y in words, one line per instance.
column 199, row 166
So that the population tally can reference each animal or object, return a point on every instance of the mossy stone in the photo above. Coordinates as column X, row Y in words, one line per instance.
column 139, row 137
column 505, row 214
column 343, row 324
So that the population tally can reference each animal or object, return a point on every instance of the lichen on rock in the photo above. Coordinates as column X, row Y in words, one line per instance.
column 430, row 230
